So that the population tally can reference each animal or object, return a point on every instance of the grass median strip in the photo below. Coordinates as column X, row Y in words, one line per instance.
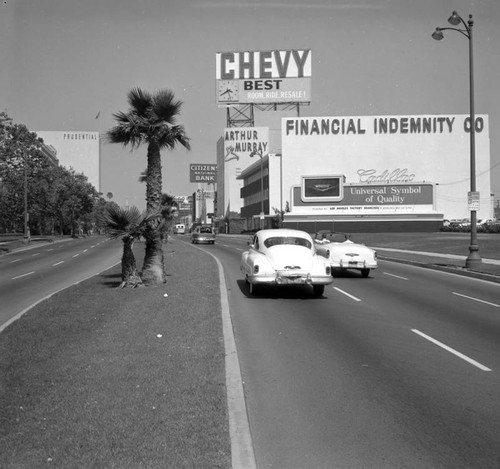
column 103, row 377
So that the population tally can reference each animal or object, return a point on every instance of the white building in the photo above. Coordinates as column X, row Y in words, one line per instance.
column 371, row 173
column 78, row 150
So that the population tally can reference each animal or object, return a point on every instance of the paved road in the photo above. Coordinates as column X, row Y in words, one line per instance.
column 27, row 276
column 398, row 370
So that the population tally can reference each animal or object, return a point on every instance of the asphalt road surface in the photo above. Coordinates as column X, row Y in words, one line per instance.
column 399, row 370
column 27, row 276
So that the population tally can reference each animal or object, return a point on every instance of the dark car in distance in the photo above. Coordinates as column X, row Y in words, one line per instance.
column 203, row 234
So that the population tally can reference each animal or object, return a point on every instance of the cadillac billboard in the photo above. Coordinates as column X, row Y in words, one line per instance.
column 389, row 164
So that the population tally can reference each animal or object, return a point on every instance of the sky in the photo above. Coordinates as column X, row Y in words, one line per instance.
column 64, row 62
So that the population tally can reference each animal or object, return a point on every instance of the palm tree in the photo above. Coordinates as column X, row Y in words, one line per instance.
column 129, row 225
column 168, row 212
column 151, row 120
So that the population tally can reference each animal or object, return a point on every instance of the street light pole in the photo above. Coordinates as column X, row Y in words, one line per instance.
column 26, row 237
column 473, row 259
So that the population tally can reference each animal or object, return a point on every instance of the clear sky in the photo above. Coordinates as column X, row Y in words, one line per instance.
column 65, row 61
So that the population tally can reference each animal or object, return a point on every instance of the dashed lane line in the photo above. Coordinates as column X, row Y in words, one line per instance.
column 476, row 299
column 346, row 294
column 396, row 276
column 23, row 275
column 451, row 350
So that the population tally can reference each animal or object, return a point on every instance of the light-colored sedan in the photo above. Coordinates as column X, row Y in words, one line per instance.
column 284, row 257
column 344, row 254
column 203, row 234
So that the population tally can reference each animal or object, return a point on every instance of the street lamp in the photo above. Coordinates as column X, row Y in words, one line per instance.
column 261, row 156
column 474, row 259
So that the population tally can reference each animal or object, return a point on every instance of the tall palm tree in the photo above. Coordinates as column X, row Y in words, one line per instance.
column 151, row 120
column 129, row 225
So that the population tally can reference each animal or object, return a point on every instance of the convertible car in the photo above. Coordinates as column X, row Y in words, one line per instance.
column 344, row 254
column 284, row 257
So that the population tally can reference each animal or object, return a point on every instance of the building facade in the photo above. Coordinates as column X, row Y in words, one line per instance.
column 77, row 150
column 371, row 173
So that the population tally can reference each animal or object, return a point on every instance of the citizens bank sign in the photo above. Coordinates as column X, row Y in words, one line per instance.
column 206, row 173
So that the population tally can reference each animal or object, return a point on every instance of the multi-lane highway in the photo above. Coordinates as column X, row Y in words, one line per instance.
column 398, row 370
column 27, row 276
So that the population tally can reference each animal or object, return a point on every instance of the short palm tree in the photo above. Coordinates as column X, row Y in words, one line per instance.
column 151, row 120
column 129, row 225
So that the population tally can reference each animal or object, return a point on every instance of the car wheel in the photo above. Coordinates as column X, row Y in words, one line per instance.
column 318, row 290
column 365, row 273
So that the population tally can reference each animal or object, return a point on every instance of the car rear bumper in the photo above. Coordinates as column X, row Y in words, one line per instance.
column 357, row 265
column 287, row 281
column 204, row 239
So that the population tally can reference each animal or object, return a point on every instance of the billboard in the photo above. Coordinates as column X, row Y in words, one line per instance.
column 361, row 199
column 276, row 76
column 391, row 164
column 243, row 146
column 206, row 173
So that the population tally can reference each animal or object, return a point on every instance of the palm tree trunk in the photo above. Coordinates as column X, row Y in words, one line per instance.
column 130, row 276
column 153, row 268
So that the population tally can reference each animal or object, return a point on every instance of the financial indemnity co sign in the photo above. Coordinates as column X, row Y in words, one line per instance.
column 275, row 76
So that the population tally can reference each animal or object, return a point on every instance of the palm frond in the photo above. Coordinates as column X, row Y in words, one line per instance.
column 168, row 137
column 166, row 107
column 140, row 102
column 127, row 221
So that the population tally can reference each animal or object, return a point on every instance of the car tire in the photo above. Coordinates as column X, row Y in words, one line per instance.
column 365, row 273
column 318, row 290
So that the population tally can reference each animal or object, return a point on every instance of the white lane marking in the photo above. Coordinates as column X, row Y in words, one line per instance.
column 476, row 299
column 85, row 250
column 36, row 254
column 397, row 276
column 92, row 246
column 24, row 275
column 48, row 250
column 451, row 350
column 346, row 294
column 57, row 263
column 76, row 255
column 15, row 260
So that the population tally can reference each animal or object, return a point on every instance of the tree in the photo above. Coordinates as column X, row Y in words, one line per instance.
column 55, row 195
column 168, row 212
column 151, row 120
column 129, row 224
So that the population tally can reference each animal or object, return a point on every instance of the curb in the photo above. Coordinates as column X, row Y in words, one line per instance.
column 242, row 451
column 443, row 268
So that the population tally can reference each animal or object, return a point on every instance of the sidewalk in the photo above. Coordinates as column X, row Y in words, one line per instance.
column 488, row 270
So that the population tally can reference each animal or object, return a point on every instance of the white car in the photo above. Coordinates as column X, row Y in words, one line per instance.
column 284, row 257
column 344, row 254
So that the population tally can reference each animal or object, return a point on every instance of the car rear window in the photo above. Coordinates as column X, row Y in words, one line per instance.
column 205, row 229
column 290, row 240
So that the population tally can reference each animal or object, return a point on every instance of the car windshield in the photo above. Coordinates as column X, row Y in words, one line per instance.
column 289, row 240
